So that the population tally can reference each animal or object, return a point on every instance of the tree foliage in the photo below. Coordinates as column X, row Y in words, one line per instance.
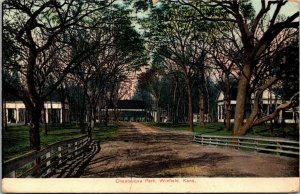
column 48, row 41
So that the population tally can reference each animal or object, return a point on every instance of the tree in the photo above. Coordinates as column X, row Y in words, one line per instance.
column 177, row 37
column 101, row 75
column 257, row 34
column 287, row 60
column 45, row 33
column 177, row 84
column 222, row 65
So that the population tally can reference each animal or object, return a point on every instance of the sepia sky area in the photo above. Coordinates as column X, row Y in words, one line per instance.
column 291, row 7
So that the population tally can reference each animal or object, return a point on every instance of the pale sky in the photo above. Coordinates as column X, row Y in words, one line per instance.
column 291, row 7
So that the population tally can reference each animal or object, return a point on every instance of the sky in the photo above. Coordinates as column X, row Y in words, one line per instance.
column 291, row 7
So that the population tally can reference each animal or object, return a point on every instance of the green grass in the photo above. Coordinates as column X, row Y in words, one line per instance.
column 210, row 128
column 101, row 133
column 15, row 140
column 290, row 131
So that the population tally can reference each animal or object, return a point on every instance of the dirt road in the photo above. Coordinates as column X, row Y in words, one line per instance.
column 141, row 151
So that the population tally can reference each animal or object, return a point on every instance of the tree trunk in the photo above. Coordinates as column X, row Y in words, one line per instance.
column 227, row 102
column 201, row 108
column 253, row 118
column 100, row 115
column 157, row 112
column 277, row 117
column 45, row 121
column 34, row 133
column 207, row 99
column 63, row 113
column 174, row 104
column 91, row 125
column 177, row 109
column 51, row 111
column 106, row 115
column 241, row 101
column 26, row 116
column 82, row 115
column 4, row 119
column 93, row 115
column 115, row 104
column 29, row 115
column 190, row 102
column 115, row 114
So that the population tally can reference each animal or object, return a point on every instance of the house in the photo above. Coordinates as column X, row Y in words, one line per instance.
column 269, row 102
column 15, row 112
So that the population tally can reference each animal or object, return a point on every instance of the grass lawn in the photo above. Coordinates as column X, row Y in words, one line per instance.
column 210, row 128
column 101, row 132
column 15, row 140
column 290, row 131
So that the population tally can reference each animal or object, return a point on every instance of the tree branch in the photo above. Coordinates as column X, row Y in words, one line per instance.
column 293, row 102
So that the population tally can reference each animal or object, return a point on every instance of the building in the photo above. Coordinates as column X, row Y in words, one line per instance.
column 130, row 110
column 269, row 102
column 196, row 118
column 15, row 112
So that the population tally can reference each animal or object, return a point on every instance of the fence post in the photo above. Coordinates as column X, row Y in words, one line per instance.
column 202, row 140
column 238, row 143
column 48, row 155
column 76, row 148
column 59, row 155
column 255, row 147
column 69, row 151
column 36, row 164
column 278, row 148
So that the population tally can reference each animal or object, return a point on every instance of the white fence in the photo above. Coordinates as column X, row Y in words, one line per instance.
column 43, row 162
column 277, row 146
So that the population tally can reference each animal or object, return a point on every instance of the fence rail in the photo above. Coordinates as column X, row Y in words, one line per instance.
column 43, row 162
column 277, row 146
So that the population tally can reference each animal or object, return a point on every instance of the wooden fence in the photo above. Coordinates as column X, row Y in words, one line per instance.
column 275, row 145
column 43, row 162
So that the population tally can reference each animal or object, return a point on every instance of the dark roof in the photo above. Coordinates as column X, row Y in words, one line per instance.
column 130, row 104
column 233, row 93
column 55, row 97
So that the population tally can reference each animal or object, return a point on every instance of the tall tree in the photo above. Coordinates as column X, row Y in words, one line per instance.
column 257, row 34
column 222, row 66
column 45, row 33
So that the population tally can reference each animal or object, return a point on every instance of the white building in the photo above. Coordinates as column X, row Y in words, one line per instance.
column 196, row 118
column 269, row 102
column 15, row 112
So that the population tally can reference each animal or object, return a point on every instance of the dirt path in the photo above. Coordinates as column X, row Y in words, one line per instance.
column 142, row 151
